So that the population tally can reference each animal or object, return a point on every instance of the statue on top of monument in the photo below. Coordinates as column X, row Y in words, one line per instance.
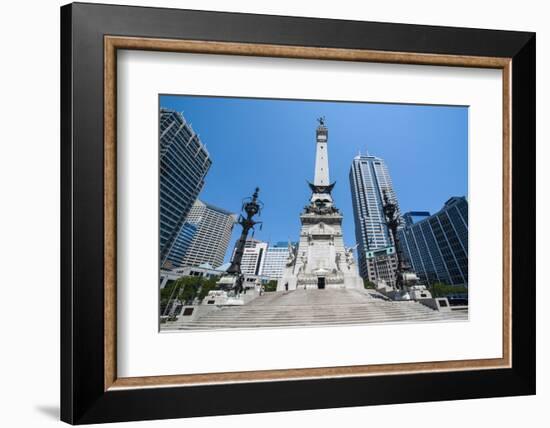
column 321, row 120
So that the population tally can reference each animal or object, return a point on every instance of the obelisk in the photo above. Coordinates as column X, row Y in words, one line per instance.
column 321, row 260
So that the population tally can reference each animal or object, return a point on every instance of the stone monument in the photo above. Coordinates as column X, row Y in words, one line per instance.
column 320, row 260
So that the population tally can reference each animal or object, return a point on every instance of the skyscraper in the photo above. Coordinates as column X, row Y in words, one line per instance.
column 369, row 180
column 437, row 246
column 275, row 260
column 213, row 232
column 253, row 256
column 184, row 163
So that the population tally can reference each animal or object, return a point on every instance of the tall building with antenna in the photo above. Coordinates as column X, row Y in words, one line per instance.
column 369, row 179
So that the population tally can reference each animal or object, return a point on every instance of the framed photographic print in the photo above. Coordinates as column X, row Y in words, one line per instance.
column 266, row 213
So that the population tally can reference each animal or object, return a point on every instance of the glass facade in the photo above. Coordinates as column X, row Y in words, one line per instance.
column 181, row 245
column 437, row 247
column 184, row 163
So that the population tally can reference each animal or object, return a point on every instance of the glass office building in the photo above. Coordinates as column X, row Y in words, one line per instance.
column 184, row 163
column 437, row 246
column 369, row 180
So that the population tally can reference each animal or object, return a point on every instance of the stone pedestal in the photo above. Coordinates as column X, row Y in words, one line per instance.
column 321, row 259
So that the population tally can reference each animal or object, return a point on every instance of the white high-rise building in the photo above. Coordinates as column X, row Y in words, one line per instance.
column 253, row 256
column 370, row 180
column 213, row 232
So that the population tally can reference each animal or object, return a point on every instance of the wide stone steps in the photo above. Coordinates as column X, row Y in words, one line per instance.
column 210, row 324
column 314, row 297
column 315, row 308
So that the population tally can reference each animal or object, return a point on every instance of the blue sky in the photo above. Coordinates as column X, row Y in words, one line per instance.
column 271, row 144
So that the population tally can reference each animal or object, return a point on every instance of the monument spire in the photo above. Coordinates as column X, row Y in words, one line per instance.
column 322, row 177
column 321, row 186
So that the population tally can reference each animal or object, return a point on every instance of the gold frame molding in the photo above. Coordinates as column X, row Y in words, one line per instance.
column 113, row 43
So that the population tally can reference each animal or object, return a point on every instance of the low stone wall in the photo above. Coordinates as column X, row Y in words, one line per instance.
column 436, row 303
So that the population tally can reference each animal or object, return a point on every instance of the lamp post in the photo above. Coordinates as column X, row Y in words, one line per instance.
column 392, row 222
column 251, row 207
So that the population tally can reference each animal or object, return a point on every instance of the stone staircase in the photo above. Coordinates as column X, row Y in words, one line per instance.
column 302, row 308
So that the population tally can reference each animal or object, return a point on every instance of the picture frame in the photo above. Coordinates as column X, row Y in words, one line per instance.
column 91, row 391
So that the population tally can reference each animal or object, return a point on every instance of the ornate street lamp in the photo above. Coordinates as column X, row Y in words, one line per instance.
column 393, row 221
column 251, row 206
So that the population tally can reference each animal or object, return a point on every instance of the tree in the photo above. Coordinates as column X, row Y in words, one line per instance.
column 209, row 284
column 190, row 289
column 168, row 294
column 185, row 289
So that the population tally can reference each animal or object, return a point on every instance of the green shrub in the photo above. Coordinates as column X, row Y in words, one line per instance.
column 271, row 286
column 369, row 284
